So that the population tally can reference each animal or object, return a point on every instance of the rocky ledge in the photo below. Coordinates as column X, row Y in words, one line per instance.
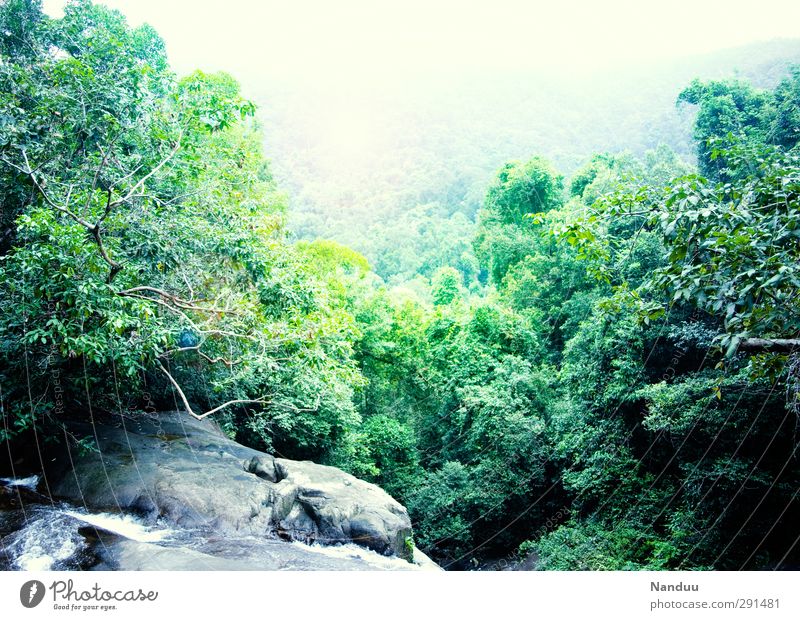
column 172, row 467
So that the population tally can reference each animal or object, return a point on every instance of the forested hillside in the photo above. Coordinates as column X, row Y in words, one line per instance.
column 586, row 359
column 419, row 151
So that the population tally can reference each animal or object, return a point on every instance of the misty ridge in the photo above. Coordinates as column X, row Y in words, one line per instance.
column 416, row 152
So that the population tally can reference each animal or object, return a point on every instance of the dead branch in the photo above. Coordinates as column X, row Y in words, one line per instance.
column 200, row 416
column 216, row 360
column 144, row 179
column 187, row 318
column 184, row 304
column 161, row 302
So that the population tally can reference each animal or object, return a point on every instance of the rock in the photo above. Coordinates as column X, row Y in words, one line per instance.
column 423, row 562
column 12, row 497
column 231, row 554
column 173, row 467
column 58, row 537
column 265, row 467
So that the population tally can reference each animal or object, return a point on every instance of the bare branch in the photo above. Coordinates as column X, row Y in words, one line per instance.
column 115, row 266
column 200, row 416
column 102, row 165
column 15, row 166
column 300, row 409
column 144, row 179
column 161, row 302
column 184, row 304
column 215, row 360
column 107, row 210
column 129, row 175
column 94, row 229
column 30, row 173
column 157, row 291
column 181, row 313
column 222, row 332
column 187, row 283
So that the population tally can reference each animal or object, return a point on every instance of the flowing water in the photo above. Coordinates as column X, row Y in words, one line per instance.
column 39, row 534
column 36, row 534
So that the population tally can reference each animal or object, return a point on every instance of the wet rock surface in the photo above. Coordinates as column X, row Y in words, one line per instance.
column 188, row 473
column 167, row 492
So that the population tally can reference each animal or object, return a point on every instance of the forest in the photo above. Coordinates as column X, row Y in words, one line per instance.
column 596, row 367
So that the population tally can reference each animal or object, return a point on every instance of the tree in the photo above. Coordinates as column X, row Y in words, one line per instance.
column 785, row 130
column 734, row 114
column 734, row 252
column 446, row 284
column 147, row 257
column 505, row 229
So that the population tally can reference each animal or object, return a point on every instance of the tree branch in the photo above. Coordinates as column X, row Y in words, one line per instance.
column 144, row 179
column 30, row 173
column 95, row 228
column 770, row 345
column 183, row 304
column 209, row 359
column 115, row 266
column 127, row 176
column 187, row 318
column 215, row 360
column 97, row 172
column 161, row 302
column 200, row 416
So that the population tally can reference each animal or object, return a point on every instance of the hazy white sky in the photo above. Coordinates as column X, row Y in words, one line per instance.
column 348, row 38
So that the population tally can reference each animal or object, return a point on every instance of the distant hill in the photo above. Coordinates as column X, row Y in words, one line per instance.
column 356, row 159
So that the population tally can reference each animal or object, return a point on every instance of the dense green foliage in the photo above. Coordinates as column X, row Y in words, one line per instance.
column 600, row 370
column 623, row 394
column 734, row 113
column 147, row 261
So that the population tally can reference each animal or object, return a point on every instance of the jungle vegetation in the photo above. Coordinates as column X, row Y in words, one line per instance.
column 600, row 369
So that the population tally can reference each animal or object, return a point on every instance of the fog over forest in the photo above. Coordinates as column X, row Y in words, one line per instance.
column 359, row 158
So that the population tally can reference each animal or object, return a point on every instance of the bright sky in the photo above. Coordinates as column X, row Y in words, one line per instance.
column 344, row 39
column 346, row 51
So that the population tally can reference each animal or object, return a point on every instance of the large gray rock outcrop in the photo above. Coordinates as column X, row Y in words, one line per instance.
column 188, row 472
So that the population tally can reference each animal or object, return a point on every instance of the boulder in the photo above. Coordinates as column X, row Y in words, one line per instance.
column 170, row 466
